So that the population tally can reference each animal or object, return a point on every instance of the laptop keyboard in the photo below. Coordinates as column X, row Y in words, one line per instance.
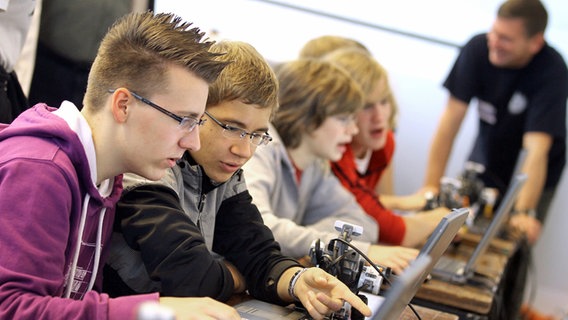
column 449, row 264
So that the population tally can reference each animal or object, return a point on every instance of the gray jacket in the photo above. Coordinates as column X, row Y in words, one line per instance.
column 171, row 235
column 298, row 214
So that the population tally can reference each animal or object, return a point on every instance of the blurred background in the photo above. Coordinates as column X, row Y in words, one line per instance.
column 417, row 42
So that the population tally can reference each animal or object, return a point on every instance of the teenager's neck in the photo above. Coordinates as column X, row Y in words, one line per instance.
column 106, row 164
column 105, row 152
column 359, row 151
column 301, row 156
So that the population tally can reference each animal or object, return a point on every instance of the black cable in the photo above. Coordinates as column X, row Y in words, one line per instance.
column 376, row 268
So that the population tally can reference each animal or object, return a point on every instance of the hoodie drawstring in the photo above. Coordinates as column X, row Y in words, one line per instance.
column 71, row 277
column 98, row 247
column 97, row 250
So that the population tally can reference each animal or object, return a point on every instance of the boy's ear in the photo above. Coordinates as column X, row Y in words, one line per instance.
column 120, row 104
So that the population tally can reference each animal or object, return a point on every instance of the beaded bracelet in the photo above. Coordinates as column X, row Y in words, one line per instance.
column 293, row 281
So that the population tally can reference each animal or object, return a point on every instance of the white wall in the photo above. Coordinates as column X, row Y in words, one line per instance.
column 417, row 69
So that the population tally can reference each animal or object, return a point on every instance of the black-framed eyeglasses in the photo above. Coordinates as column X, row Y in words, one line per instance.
column 188, row 123
column 238, row 134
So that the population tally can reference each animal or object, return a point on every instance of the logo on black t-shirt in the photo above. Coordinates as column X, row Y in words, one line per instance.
column 487, row 112
column 518, row 103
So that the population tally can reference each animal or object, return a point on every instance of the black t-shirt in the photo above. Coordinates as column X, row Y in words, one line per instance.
column 510, row 103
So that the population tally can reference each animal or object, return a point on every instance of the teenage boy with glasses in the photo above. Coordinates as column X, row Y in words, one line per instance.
column 196, row 232
column 236, row 133
column 186, row 122
column 61, row 171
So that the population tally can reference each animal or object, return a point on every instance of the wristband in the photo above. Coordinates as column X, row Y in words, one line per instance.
column 293, row 281
column 529, row 212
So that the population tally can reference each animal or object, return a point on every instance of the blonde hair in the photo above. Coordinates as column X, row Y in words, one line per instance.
column 248, row 78
column 312, row 90
column 367, row 72
column 320, row 46
column 137, row 50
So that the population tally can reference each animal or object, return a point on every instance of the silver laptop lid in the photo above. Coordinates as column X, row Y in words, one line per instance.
column 403, row 289
column 498, row 218
column 444, row 234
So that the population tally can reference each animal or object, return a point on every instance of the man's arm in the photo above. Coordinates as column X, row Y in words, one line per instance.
column 419, row 226
column 448, row 127
column 318, row 291
column 386, row 183
column 537, row 145
column 249, row 248
column 411, row 202
column 171, row 246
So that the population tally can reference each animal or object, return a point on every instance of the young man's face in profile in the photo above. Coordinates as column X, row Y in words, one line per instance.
column 221, row 155
column 155, row 140
column 329, row 141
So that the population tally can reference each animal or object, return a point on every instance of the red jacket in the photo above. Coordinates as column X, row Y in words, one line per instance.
column 362, row 186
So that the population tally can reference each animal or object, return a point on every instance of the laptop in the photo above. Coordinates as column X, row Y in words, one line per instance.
column 479, row 224
column 458, row 271
column 397, row 297
column 402, row 290
column 444, row 234
column 390, row 306
column 259, row 310
column 434, row 247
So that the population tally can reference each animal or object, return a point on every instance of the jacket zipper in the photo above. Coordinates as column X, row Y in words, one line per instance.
column 200, row 209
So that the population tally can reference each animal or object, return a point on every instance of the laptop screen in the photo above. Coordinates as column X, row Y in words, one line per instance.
column 444, row 234
column 499, row 217
column 403, row 289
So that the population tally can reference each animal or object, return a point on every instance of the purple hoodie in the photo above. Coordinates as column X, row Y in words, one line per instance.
column 44, row 182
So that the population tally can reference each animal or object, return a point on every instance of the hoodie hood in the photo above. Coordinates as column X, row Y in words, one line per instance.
column 40, row 121
column 64, row 137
